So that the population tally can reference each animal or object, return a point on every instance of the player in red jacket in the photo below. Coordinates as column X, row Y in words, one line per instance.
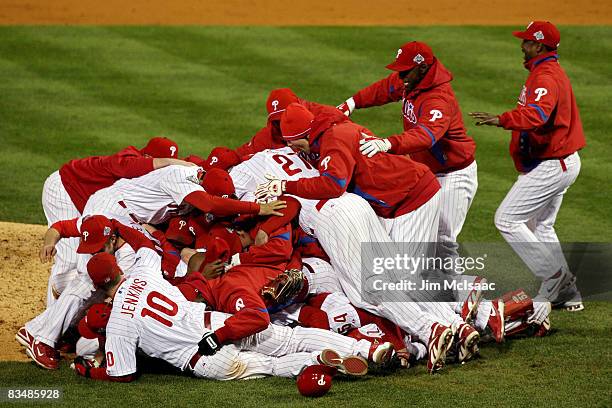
column 270, row 137
column 546, row 136
column 66, row 191
column 434, row 133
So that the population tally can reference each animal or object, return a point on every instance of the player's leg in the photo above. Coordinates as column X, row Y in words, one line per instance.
column 321, row 276
column 530, row 196
column 457, row 193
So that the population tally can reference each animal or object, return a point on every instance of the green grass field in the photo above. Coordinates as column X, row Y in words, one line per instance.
column 77, row 91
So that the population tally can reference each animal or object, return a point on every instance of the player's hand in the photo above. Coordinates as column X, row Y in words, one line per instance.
column 82, row 367
column 272, row 208
column 369, row 147
column 47, row 252
column 347, row 107
column 261, row 238
column 273, row 188
column 187, row 253
column 213, row 269
column 150, row 229
column 485, row 118
column 541, row 310
column 209, row 344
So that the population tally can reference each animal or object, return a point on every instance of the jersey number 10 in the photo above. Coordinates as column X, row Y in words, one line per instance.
column 162, row 304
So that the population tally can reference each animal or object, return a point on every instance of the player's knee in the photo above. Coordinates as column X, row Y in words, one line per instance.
column 503, row 223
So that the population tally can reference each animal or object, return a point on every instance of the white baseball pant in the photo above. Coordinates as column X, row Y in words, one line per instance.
column 58, row 206
column 526, row 217
column 458, row 189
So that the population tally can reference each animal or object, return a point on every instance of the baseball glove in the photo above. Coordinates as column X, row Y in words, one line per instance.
column 283, row 288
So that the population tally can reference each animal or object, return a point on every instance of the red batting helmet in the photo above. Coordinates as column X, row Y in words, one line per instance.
column 93, row 325
column 161, row 147
column 314, row 381
column 95, row 231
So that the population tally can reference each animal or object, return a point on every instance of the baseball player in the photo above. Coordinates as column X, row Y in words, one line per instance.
column 97, row 233
column 66, row 191
column 546, row 136
column 152, row 315
column 341, row 225
column 434, row 133
column 270, row 136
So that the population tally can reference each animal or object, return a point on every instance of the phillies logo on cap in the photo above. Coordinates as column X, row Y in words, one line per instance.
column 106, row 231
column 172, row 151
column 321, row 380
column 399, row 52
column 85, row 235
column 213, row 160
column 275, row 104
column 418, row 58
column 182, row 223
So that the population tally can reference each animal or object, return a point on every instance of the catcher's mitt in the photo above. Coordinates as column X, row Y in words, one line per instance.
column 283, row 288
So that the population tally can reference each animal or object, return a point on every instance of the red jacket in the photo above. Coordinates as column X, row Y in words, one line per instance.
column 238, row 292
column 434, row 133
column 270, row 136
column 393, row 185
column 83, row 177
column 546, row 123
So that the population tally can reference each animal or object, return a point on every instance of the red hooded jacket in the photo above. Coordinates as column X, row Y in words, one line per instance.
column 434, row 133
column 270, row 137
column 393, row 185
column 546, row 122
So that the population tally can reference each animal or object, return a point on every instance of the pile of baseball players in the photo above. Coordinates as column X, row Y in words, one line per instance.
column 249, row 263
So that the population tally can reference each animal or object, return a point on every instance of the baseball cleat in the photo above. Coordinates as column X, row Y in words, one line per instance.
column 553, row 287
column 497, row 320
column 380, row 353
column 440, row 340
column 467, row 342
column 573, row 306
column 44, row 355
column 24, row 338
column 470, row 306
column 351, row 365
column 572, row 300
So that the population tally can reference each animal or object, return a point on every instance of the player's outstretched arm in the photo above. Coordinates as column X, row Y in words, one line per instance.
column 48, row 251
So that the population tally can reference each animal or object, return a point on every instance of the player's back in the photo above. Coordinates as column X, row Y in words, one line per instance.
column 157, row 196
column 151, row 314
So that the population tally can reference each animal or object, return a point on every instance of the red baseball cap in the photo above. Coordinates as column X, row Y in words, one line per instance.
column 102, row 269
column 229, row 235
column 296, row 122
column 219, row 183
column 277, row 102
column 216, row 248
column 93, row 325
column 222, row 158
column 195, row 159
column 161, row 147
column 314, row 381
column 543, row 32
column 95, row 231
column 410, row 55
column 179, row 231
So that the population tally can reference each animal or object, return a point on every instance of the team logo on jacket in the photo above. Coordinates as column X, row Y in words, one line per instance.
column 408, row 111
column 522, row 100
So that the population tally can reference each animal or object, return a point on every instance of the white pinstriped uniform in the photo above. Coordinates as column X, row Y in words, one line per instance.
column 283, row 163
column 527, row 215
column 321, row 276
column 50, row 325
column 153, row 198
column 342, row 225
column 458, row 189
column 152, row 315
column 58, row 206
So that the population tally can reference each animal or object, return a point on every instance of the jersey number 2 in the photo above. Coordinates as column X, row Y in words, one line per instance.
column 286, row 164
column 162, row 304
